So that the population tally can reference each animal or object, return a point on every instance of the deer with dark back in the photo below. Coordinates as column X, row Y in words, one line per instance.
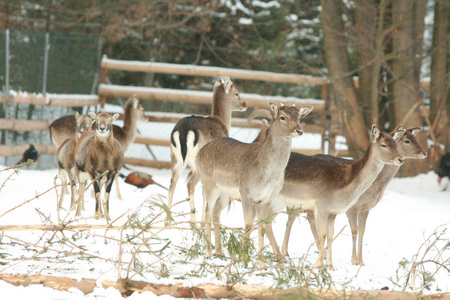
column 252, row 173
column 190, row 134
column 65, row 156
column 99, row 157
column 324, row 186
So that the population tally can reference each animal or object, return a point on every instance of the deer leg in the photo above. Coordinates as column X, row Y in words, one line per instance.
column 287, row 233
column 266, row 215
column 192, row 183
column 362, row 219
column 64, row 191
column 116, row 179
column 98, row 200
column 312, row 224
column 211, row 195
column 330, row 234
column 321, row 220
column 177, row 169
column 352, row 216
column 110, row 179
column 220, row 205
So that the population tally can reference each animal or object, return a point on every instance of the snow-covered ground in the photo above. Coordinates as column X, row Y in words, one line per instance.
column 412, row 210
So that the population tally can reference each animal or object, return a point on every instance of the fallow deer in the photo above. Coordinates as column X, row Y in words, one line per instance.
column 65, row 156
column 99, row 155
column 252, row 172
column 190, row 134
column 325, row 186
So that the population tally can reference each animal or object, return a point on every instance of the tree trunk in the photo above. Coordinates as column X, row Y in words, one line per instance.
column 439, row 86
column 344, row 92
column 407, row 44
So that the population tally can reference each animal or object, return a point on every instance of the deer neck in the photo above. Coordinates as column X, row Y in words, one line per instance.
column 276, row 149
column 387, row 174
column 130, row 119
column 221, row 109
column 366, row 171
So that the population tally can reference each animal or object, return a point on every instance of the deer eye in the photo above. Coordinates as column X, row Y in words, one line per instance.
column 282, row 118
column 407, row 142
column 236, row 95
column 383, row 145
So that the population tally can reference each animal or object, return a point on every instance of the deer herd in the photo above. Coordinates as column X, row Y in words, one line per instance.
column 264, row 175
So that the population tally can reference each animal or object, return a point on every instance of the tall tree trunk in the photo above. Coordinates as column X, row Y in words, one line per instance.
column 439, row 86
column 368, row 67
column 344, row 92
column 407, row 45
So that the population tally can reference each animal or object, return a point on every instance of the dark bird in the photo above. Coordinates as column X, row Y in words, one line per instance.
column 444, row 168
column 140, row 179
column 30, row 153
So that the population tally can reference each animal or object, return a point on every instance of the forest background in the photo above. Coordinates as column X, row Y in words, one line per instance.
column 399, row 51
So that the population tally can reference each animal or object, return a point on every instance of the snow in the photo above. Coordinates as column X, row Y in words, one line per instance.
column 411, row 211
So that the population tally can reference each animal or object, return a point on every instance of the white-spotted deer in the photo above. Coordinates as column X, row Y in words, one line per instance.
column 98, row 157
column 65, row 156
column 252, row 173
column 408, row 147
column 325, row 185
column 190, row 134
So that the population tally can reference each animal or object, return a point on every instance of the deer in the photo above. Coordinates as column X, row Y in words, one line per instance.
column 98, row 157
column 64, row 128
column 191, row 133
column 252, row 172
column 66, row 158
column 265, row 117
column 325, row 185
column 408, row 147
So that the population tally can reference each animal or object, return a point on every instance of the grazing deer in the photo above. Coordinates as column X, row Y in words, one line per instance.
column 324, row 185
column 251, row 172
column 190, row 134
column 65, row 156
column 408, row 147
column 99, row 155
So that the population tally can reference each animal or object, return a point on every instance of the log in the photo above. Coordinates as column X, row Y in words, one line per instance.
column 6, row 150
column 148, row 163
column 24, row 125
column 194, row 70
column 202, row 97
column 66, row 100
column 209, row 291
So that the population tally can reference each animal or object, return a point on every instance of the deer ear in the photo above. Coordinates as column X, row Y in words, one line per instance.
column 115, row 116
column 398, row 134
column 135, row 102
column 304, row 111
column 416, row 130
column 77, row 115
column 375, row 133
column 273, row 108
column 93, row 115
column 398, row 127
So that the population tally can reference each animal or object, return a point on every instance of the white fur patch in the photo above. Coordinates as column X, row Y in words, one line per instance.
column 192, row 150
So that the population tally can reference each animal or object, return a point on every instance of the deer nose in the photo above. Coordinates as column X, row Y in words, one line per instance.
column 401, row 161
column 299, row 132
column 424, row 154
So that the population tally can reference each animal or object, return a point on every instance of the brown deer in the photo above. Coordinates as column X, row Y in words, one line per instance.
column 99, row 157
column 324, row 186
column 64, row 128
column 65, row 156
column 190, row 134
column 408, row 147
column 252, row 172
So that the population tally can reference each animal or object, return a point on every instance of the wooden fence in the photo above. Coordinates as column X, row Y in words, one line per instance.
column 162, row 94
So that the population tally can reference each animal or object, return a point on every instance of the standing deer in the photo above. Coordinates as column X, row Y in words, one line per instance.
column 190, row 134
column 251, row 172
column 324, row 185
column 408, row 147
column 64, row 128
column 65, row 156
column 99, row 157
